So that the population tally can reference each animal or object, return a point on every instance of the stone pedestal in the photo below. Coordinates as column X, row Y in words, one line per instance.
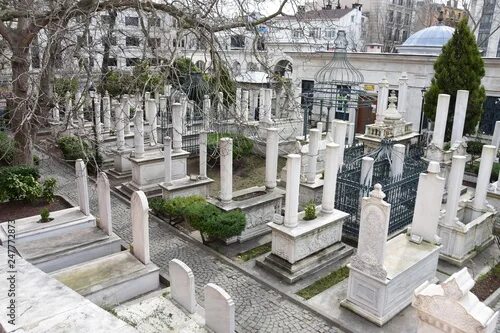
column 466, row 236
column 259, row 206
column 306, row 248
column 148, row 172
column 407, row 264
column 186, row 187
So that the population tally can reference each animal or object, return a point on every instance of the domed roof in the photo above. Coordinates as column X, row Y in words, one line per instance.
column 427, row 41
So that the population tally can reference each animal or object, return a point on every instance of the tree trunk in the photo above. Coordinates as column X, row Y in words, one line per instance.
column 22, row 113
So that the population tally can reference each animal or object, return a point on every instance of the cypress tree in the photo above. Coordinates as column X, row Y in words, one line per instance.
column 458, row 67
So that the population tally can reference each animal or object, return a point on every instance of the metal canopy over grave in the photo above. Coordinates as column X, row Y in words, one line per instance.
column 353, row 183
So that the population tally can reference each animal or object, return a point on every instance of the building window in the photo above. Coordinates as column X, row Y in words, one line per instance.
column 404, row 35
column 112, row 62
column 396, row 35
column 111, row 40
column 237, row 41
column 297, row 33
column 329, row 33
column 315, row 33
column 154, row 42
column 132, row 41
column 388, row 33
column 236, row 68
column 398, row 17
column 131, row 61
column 261, row 43
column 400, row 2
column 390, row 17
column 132, row 21
column 407, row 19
column 154, row 21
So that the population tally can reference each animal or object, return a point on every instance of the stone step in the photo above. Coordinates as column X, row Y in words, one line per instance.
column 64, row 221
column 64, row 250
column 112, row 279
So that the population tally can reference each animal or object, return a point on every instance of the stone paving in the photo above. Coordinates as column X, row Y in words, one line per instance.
column 258, row 307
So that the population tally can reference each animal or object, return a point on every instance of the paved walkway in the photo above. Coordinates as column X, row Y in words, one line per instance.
column 258, row 307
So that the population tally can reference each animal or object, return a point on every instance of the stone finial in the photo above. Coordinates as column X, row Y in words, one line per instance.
column 377, row 192
column 106, row 93
column 433, row 167
column 451, row 307
column 392, row 113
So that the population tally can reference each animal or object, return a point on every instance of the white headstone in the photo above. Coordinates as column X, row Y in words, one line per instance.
column 292, row 190
column 119, row 126
column 340, row 129
column 457, row 131
column 219, row 309
column 483, row 177
column 397, row 159
column 440, row 120
column 203, row 139
column 428, row 204
column 373, row 228
column 97, row 124
column 167, row 152
column 455, row 179
column 153, row 121
column 177, row 127
column 140, row 226
column 82, row 186
column 104, row 201
column 237, row 104
column 244, row 106
column 138, row 133
column 206, row 112
column 366, row 171
column 403, row 93
column 495, row 141
column 126, row 113
column 382, row 98
column 330, row 177
column 106, row 110
column 182, row 287
column 272, row 146
column 226, row 169
column 220, row 105
column 451, row 307
column 55, row 113
column 314, row 137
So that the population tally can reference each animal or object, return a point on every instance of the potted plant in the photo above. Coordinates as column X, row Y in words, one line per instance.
column 310, row 211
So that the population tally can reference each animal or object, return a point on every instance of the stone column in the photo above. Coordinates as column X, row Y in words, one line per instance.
column 403, row 93
column 397, row 159
column 177, row 127
column 244, row 106
column 237, row 104
column 203, row 139
column 382, row 98
column 55, row 113
column 265, row 109
column 153, row 122
column 106, row 110
column 226, row 169
column 272, row 146
column 220, row 106
column 314, row 135
column 139, row 133
column 184, row 108
column 428, row 204
column 455, row 179
column 98, row 128
column 120, row 130
column 292, row 190
column 366, row 171
column 339, row 138
column 495, row 141
column 252, row 106
column 140, row 226
column 167, row 90
column 167, row 152
column 457, row 131
column 104, row 201
column 330, row 178
column 206, row 112
column 82, row 186
column 440, row 120
column 483, row 177
column 126, row 113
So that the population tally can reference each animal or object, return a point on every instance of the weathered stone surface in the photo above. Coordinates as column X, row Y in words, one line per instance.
column 140, row 226
column 182, row 284
column 219, row 309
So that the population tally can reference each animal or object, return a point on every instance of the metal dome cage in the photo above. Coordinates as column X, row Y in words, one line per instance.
column 337, row 87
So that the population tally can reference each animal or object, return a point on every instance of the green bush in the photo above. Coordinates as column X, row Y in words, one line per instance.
column 44, row 215
column 48, row 187
column 19, row 187
column 6, row 149
column 175, row 207
column 310, row 211
column 242, row 146
column 63, row 85
column 74, row 148
column 474, row 148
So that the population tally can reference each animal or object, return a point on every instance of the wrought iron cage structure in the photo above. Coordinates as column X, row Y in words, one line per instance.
column 401, row 190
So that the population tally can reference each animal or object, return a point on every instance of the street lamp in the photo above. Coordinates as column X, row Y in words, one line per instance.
column 423, row 90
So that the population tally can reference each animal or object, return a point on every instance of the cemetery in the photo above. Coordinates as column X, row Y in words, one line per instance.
column 240, row 206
